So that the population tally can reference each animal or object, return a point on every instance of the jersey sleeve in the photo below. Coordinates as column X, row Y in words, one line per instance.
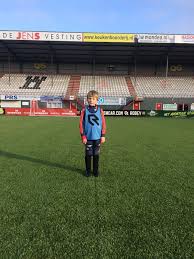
column 103, row 133
column 82, row 123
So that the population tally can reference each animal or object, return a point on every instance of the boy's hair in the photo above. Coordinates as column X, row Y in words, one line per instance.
column 92, row 93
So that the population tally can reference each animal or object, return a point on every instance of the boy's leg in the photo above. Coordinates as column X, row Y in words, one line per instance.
column 88, row 165
column 96, row 151
column 88, row 157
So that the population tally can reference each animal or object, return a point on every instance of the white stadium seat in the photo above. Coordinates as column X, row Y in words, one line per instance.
column 163, row 87
column 53, row 85
column 114, row 86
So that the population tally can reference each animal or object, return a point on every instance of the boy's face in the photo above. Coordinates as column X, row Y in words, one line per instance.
column 92, row 100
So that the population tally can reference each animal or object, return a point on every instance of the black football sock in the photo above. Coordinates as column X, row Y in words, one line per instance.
column 88, row 164
column 95, row 164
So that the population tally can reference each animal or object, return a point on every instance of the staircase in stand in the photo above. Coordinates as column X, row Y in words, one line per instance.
column 132, row 93
column 130, row 87
column 73, row 86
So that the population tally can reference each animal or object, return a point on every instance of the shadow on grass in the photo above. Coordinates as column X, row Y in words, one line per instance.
column 43, row 162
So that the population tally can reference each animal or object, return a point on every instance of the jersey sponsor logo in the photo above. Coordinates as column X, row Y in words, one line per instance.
column 93, row 119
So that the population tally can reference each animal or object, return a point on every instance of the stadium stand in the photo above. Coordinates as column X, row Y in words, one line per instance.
column 115, row 86
column 106, row 85
column 146, row 86
column 24, row 84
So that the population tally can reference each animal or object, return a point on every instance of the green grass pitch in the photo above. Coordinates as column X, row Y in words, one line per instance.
column 141, row 206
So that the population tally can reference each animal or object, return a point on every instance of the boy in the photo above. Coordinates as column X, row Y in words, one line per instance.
column 92, row 129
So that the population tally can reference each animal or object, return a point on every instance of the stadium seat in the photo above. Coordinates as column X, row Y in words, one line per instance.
column 52, row 85
column 146, row 86
column 114, row 86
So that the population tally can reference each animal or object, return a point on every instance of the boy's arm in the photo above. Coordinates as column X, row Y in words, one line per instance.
column 81, row 125
column 103, row 132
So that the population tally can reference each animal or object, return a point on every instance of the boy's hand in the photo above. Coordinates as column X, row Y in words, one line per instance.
column 103, row 139
column 84, row 140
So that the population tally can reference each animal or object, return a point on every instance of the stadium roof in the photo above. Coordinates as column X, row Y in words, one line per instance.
column 87, row 47
column 74, row 52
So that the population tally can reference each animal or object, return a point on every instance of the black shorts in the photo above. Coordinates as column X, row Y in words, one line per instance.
column 93, row 147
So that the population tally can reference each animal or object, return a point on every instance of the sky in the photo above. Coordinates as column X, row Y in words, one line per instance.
column 135, row 16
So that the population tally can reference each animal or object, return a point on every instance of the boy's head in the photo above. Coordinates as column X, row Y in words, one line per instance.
column 92, row 98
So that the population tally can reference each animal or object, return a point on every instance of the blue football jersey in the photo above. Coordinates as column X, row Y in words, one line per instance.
column 92, row 123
